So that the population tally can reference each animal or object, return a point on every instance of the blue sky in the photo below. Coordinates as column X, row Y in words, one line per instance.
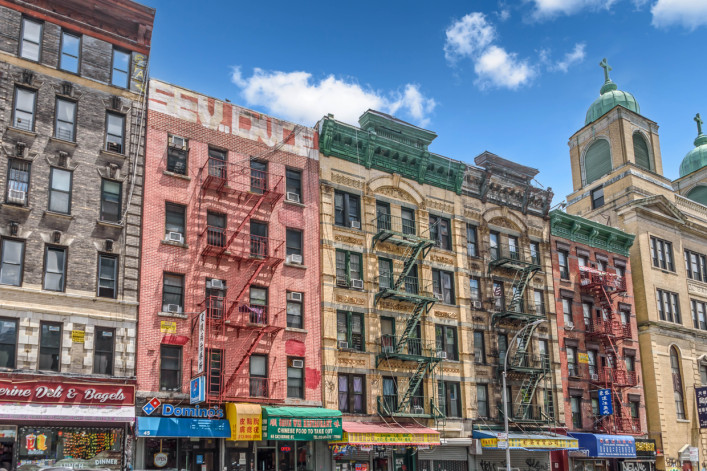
column 512, row 77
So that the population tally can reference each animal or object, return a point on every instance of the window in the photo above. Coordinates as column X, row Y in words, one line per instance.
column 699, row 314
column 479, row 347
column 576, row 406
column 446, row 341
column 633, row 407
column 107, row 276
column 215, row 368
column 172, row 292
column 695, row 266
column 349, row 330
column 499, row 296
column 258, row 298
column 703, row 374
column 502, row 348
column 597, row 161
column 293, row 184
column 121, row 67
column 482, row 400
column 8, row 343
column 174, row 221
column 443, row 285
column 385, row 273
column 258, row 376
column 54, row 268
column 170, row 368
column 567, row 312
column 11, row 262
column 18, row 182
column 60, row 190
column 294, row 242
column 449, row 398
column 640, row 151
column 111, row 197
column 662, row 253
column 65, row 120
column 677, row 383
column 472, row 249
column 494, row 249
column 214, row 295
column 562, row 257
column 70, row 51
column 475, row 288
column 347, row 210
column 595, row 406
column 383, row 221
column 600, row 264
column 23, row 112
column 544, row 353
column 103, row 351
column 31, row 39
column 348, row 268
column 587, row 315
column 513, row 249
column 535, row 253
column 441, row 232
column 216, row 229
column 539, row 301
column 295, row 378
column 668, row 306
column 294, row 312
column 177, row 155
column 258, row 176
column 592, row 358
column 572, row 365
column 582, row 260
column 597, row 197
column 115, row 133
column 390, row 394
column 258, row 239
column 620, row 269
column 408, row 220
column 352, row 394
column 630, row 362
column 49, row 346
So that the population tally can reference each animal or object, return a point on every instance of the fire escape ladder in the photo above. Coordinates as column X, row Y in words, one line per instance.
column 245, row 349
column 520, row 283
column 410, row 325
column 260, row 263
column 411, row 254
column 252, row 211
column 524, row 399
column 520, row 357
column 414, row 384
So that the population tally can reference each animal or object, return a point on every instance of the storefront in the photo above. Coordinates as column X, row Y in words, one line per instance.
column 451, row 455
column 602, row 452
column 72, row 424
column 528, row 451
column 368, row 446
column 645, row 457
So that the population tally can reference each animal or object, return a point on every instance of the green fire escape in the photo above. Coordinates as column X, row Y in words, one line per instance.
column 405, row 287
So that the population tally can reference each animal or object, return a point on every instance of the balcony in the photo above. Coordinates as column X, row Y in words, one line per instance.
column 399, row 231
column 528, row 414
column 512, row 256
column 241, row 179
column 244, row 314
column 413, row 349
column 411, row 289
column 614, row 376
column 214, row 243
column 254, row 247
column 526, row 362
column 526, row 312
column 590, row 278
column 615, row 425
column 388, row 406
column 252, row 388
column 612, row 328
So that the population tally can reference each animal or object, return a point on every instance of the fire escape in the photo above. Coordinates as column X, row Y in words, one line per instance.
column 609, row 331
column 236, row 322
column 529, row 369
column 419, row 356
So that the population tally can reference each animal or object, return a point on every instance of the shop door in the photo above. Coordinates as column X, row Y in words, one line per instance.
column 239, row 460
column 204, row 460
column 266, row 460
column 687, row 466
column 403, row 462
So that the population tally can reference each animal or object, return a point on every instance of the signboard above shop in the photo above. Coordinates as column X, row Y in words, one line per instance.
column 301, row 423
column 40, row 391
column 701, row 396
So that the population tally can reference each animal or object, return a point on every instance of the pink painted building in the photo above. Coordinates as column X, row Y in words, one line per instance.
column 229, row 280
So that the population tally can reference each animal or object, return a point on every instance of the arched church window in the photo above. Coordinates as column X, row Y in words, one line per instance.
column 597, row 161
column 640, row 152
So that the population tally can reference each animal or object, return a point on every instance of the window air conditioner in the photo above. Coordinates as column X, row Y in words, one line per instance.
column 595, row 377
column 215, row 284
column 442, row 355
column 16, row 196
column 297, row 363
column 178, row 142
column 175, row 237
column 173, row 308
column 476, row 304
column 357, row 284
column 293, row 296
column 569, row 326
column 114, row 147
column 341, row 281
column 293, row 197
column 294, row 258
column 418, row 410
column 439, row 296
column 356, row 224
column 343, row 344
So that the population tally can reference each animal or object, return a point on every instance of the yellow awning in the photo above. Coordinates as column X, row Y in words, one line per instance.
column 245, row 420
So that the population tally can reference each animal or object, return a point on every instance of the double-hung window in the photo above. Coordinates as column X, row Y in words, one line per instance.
column 294, row 245
column 60, row 190
column 385, row 273
column 350, row 331
column 662, row 254
column 258, row 376
column 597, row 197
column 8, row 343
column 293, row 185
column 494, row 248
column 567, row 312
column 215, row 229
column 592, row 356
column 170, row 368
column 23, row 112
column 174, row 222
column 695, row 266
column 65, row 120
column 475, row 288
column 111, row 198
column 479, row 347
column 482, row 401
column 446, row 341
column 441, row 232
column 572, row 365
column 563, row 263
column 294, row 310
column 31, row 39
column 699, row 314
column 172, row 292
column 535, row 253
column 70, row 52
column 177, row 153
column 115, row 133
column 349, row 272
column 107, row 276
column 49, row 346
column 54, row 268
column 668, row 306
column 12, row 254
column 408, row 221
column 587, row 315
column 443, row 286
column 576, row 407
column 295, row 378
column 449, row 398
column 120, row 68
column 347, row 209
column 103, row 347
column 352, row 393
column 499, row 296
column 472, row 247
column 539, row 301
column 18, row 182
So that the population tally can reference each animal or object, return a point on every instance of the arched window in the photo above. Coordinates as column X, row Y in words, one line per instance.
column 640, row 151
column 597, row 161
column 677, row 383
column 699, row 194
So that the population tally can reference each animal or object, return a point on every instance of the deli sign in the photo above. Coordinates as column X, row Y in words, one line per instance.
column 68, row 393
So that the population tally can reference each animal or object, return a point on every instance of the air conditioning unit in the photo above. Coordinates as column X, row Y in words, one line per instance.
column 569, row 326
column 294, row 296
column 16, row 196
column 595, row 377
column 357, row 284
column 418, row 410
column 216, row 284
column 297, row 363
column 341, row 282
column 114, row 147
column 172, row 308
column 177, row 142
column 439, row 296
column 356, row 224
column 175, row 237
column 476, row 304
column 343, row 344
column 442, row 355
column 293, row 197
column 294, row 258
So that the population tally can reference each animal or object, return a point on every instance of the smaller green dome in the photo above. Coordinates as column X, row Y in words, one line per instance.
column 610, row 97
column 697, row 157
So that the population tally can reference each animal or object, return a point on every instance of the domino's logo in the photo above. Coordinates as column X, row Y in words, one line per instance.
column 151, row 406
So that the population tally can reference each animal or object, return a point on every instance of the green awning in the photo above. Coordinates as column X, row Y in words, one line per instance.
column 301, row 423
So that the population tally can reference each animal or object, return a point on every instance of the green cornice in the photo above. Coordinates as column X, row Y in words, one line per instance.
column 584, row 231
column 402, row 150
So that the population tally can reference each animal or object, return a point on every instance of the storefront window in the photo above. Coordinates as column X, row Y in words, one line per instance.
column 185, row 454
column 70, row 447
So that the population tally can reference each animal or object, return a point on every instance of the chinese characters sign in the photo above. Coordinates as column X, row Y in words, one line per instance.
column 245, row 420
column 605, row 405
column 356, row 438
column 701, row 395
column 552, row 443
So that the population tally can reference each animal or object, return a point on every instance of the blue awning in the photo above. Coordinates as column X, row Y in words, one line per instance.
column 173, row 427
column 606, row 446
column 541, row 441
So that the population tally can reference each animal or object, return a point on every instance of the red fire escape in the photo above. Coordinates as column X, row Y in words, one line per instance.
column 610, row 331
column 235, row 324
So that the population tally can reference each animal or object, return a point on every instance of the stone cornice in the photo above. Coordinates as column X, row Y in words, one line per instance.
column 584, row 231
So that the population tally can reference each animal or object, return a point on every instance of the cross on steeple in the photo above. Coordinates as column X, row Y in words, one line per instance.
column 699, row 122
column 605, row 65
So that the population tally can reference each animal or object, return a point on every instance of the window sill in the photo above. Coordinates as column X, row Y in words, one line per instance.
column 682, row 421
column 295, row 265
column 294, row 203
column 296, row 329
column 112, row 155
column 53, row 214
column 360, row 290
column 350, row 350
column 15, row 207
column 174, row 244
column 63, row 142
column 352, row 229
column 111, row 224
column 21, row 132
column 176, row 315
column 176, row 175
column 667, row 272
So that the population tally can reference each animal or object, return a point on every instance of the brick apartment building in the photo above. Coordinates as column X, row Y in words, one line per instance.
column 72, row 87
column 229, row 278
column 598, row 337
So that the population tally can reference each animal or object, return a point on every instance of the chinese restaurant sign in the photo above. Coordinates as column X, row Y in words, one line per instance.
column 70, row 393
column 360, row 438
column 245, row 420
column 303, row 428
column 701, row 395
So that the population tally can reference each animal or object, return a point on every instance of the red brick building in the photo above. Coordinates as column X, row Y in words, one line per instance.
column 598, row 338
column 230, row 260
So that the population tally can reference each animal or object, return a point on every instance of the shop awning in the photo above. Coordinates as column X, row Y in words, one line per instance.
column 606, row 446
column 173, row 427
column 301, row 423
column 526, row 441
column 245, row 421
column 366, row 433
column 55, row 413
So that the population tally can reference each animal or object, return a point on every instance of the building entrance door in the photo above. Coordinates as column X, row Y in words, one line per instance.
column 204, row 460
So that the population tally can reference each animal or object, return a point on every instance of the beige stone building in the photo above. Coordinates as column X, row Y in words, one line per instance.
column 617, row 174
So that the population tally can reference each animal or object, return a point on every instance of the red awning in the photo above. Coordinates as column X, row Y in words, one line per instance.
column 172, row 339
column 366, row 433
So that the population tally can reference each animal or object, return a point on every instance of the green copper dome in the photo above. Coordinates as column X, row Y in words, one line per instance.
column 609, row 97
column 697, row 157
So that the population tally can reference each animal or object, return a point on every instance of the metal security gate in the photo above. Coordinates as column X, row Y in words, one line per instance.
column 521, row 460
column 444, row 458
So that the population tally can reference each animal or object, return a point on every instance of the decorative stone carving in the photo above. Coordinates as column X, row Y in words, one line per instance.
column 393, row 306
column 351, row 361
column 396, row 193
column 447, row 208
column 348, row 239
column 501, row 222
column 445, row 314
column 340, row 298
column 697, row 288
column 441, row 259
column 346, row 180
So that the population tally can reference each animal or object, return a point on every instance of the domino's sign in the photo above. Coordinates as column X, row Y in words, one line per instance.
column 170, row 410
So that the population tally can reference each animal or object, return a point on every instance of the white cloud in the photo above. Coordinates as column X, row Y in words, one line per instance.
column 550, row 8
column 297, row 97
column 468, row 36
column 498, row 68
column 690, row 14
column 573, row 57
